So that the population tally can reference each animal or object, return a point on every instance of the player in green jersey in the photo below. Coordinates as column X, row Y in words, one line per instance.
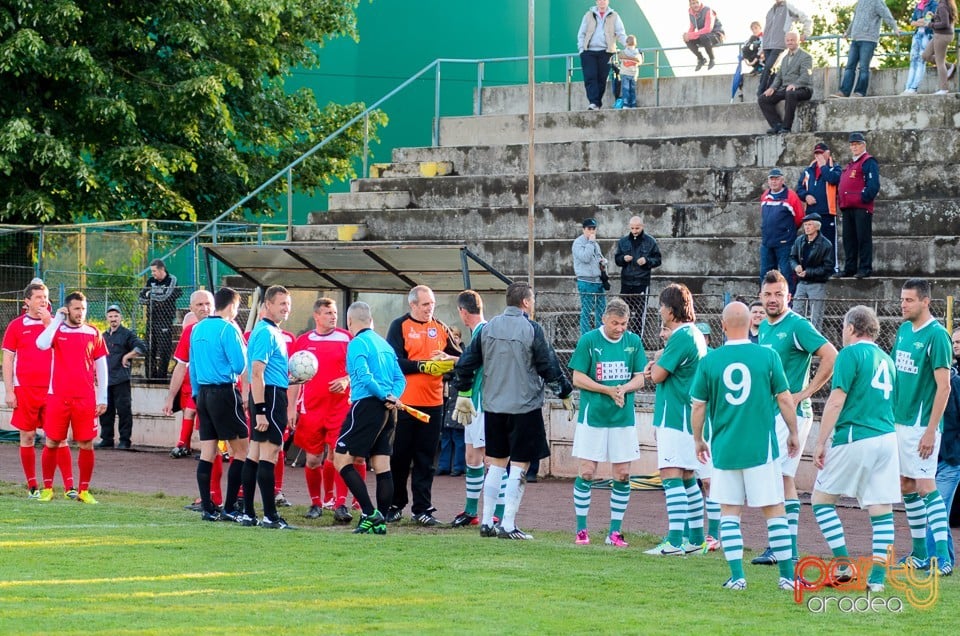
column 738, row 385
column 862, row 462
column 797, row 341
column 922, row 354
column 672, row 373
column 607, row 367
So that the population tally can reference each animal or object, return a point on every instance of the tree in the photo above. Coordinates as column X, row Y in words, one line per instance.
column 118, row 109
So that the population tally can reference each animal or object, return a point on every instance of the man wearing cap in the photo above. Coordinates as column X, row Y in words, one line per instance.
column 122, row 346
column 817, row 188
column 780, row 214
column 812, row 261
column 792, row 85
column 858, row 187
column 587, row 263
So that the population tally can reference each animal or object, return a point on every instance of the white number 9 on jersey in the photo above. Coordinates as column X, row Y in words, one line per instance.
column 741, row 387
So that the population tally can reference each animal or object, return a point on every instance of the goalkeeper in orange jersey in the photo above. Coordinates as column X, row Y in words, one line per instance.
column 426, row 351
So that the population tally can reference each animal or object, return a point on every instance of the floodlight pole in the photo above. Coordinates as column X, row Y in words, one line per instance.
column 531, row 125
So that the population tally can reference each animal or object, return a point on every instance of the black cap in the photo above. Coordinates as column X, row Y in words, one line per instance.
column 857, row 137
column 813, row 216
column 821, row 147
column 589, row 223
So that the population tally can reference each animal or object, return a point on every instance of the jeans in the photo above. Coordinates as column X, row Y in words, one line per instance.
column 861, row 52
column 918, row 67
column 628, row 91
column 592, row 302
column 452, row 451
column 595, row 66
column 777, row 258
column 809, row 301
column 770, row 58
column 947, row 479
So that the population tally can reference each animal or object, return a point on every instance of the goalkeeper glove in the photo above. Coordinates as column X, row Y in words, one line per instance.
column 436, row 367
column 570, row 406
column 464, row 412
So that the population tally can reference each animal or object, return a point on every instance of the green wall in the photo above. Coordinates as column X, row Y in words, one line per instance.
column 400, row 37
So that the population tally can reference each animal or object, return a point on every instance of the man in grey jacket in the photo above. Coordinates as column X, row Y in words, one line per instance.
column 588, row 261
column 792, row 85
column 516, row 361
column 780, row 19
column 864, row 33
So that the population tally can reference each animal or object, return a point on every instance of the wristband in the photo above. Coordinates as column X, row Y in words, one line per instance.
column 260, row 408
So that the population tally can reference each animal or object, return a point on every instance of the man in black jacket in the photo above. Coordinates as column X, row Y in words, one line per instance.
column 160, row 296
column 811, row 257
column 122, row 346
column 637, row 254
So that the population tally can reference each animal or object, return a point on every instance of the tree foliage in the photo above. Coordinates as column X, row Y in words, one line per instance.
column 113, row 109
column 834, row 16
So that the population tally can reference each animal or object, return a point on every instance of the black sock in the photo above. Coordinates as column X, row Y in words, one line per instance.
column 266, row 482
column 249, row 479
column 204, row 470
column 357, row 488
column 384, row 490
column 234, row 474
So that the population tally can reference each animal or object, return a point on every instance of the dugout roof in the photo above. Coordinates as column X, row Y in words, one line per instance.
column 367, row 267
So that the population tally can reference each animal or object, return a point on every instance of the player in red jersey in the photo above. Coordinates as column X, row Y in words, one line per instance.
column 26, row 377
column 78, row 393
column 324, row 404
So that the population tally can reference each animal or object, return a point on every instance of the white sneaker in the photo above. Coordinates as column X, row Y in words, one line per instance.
column 785, row 584
column 692, row 548
column 739, row 585
column 666, row 549
column 942, row 92
column 593, row 107
column 875, row 587
column 909, row 91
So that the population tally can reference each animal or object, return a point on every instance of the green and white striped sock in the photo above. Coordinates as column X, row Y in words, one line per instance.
column 882, row 539
column 713, row 518
column 732, row 542
column 474, row 487
column 498, row 511
column 832, row 529
column 937, row 520
column 917, row 520
column 676, row 509
column 619, row 500
column 581, row 501
column 778, row 534
column 694, row 510
column 792, row 506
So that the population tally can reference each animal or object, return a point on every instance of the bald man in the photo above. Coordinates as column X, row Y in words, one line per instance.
column 637, row 254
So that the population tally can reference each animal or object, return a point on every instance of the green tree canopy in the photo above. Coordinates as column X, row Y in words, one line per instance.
column 114, row 109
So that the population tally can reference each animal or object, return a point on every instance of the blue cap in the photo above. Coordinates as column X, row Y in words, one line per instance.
column 775, row 172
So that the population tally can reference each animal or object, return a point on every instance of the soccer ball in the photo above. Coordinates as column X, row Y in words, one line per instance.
column 302, row 366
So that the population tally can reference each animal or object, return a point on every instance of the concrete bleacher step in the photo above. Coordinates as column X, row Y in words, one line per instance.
column 695, row 185
column 939, row 217
column 416, row 168
column 330, row 231
column 710, row 151
column 831, row 115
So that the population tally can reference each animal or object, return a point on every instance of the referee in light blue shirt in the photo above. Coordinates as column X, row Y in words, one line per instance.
column 217, row 358
column 268, row 377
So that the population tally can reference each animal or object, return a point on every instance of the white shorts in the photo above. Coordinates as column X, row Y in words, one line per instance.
column 705, row 471
column 789, row 465
column 868, row 469
column 908, row 440
column 473, row 433
column 758, row 486
column 615, row 444
column 675, row 449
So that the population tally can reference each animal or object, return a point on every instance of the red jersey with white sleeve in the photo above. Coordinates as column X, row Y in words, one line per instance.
column 331, row 352
column 75, row 350
column 31, row 365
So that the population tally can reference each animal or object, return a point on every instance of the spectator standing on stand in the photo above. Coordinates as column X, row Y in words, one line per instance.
column 600, row 30
column 817, row 188
column 864, row 33
column 812, row 261
column 588, row 261
column 943, row 24
column 859, row 186
column 637, row 254
column 780, row 19
column 630, row 59
column 122, row 346
column 160, row 296
column 781, row 213
column 920, row 18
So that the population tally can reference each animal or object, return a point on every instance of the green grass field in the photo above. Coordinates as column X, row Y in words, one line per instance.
column 138, row 564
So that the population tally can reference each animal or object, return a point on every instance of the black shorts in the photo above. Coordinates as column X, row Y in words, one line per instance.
column 367, row 430
column 275, row 398
column 518, row 436
column 220, row 411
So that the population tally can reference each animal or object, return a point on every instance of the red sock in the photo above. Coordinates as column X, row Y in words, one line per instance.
column 333, row 482
column 65, row 464
column 186, row 432
column 48, row 465
column 28, row 459
column 314, row 477
column 216, row 475
column 278, row 473
column 85, row 462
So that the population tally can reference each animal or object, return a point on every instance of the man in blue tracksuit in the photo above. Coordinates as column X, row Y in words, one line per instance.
column 780, row 216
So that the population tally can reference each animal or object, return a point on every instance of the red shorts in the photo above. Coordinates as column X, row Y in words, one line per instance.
column 314, row 431
column 31, row 402
column 186, row 397
column 78, row 414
